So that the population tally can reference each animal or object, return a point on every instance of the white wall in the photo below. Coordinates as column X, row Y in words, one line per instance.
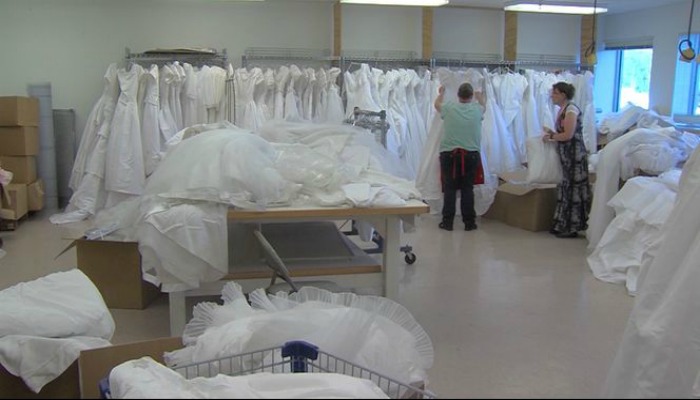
column 664, row 24
column 549, row 34
column 468, row 30
column 367, row 27
column 70, row 43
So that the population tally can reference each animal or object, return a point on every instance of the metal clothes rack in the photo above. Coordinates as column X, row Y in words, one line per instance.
column 375, row 122
column 493, row 61
column 276, row 56
column 194, row 57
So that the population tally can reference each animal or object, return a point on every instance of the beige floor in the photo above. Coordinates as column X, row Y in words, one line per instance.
column 512, row 314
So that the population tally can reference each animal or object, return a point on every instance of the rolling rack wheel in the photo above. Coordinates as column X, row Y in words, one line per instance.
column 409, row 257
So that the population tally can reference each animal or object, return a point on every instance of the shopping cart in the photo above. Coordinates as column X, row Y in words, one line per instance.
column 294, row 356
column 375, row 122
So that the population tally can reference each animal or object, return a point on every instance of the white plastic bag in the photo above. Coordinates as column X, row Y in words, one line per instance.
column 543, row 164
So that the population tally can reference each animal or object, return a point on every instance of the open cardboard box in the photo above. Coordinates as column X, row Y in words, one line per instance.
column 96, row 364
column 115, row 269
column 66, row 386
column 527, row 206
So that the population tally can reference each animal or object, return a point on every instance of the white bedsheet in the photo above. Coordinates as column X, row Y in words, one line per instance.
column 45, row 323
column 39, row 360
column 61, row 304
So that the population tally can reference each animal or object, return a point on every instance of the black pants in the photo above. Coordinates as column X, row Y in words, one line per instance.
column 458, row 168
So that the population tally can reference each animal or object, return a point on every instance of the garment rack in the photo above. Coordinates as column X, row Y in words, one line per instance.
column 195, row 57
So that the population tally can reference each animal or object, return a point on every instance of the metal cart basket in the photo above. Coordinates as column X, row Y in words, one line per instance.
column 375, row 122
column 294, row 356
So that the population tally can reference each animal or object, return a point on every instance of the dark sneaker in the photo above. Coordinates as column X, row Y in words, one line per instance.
column 445, row 225
column 470, row 226
column 554, row 231
column 567, row 235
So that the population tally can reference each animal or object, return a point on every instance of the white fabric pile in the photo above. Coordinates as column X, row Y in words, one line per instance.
column 653, row 151
column 45, row 323
column 544, row 164
column 373, row 332
column 659, row 355
column 641, row 207
column 147, row 379
column 180, row 221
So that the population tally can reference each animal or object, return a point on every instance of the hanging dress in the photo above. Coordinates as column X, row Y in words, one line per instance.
column 291, row 103
column 124, row 173
column 150, row 130
column 166, row 121
column 335, row 111
column 188, row 97
column 90, row 196
column 281, row 80
column 103, row 109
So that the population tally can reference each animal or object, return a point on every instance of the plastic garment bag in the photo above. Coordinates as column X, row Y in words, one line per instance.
column 544, row 164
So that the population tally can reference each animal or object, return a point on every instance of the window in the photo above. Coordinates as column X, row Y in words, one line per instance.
column 633, row 73
column 686, row 92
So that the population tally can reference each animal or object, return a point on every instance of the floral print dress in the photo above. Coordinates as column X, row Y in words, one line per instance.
column 574, row 192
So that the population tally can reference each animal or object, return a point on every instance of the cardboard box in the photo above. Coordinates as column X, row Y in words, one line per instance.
column 96, row 364
column 66, row 386
column 35, row 195
column 115, row 269
column 14, row 201
column 530, row 207
column 19, row 141
column 19, row 111
column 23, row 168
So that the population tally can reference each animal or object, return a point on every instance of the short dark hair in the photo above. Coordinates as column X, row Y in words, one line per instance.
column 466, row 91
column 568, row 89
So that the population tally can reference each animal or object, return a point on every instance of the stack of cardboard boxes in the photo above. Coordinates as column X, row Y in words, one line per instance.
column 19, row 147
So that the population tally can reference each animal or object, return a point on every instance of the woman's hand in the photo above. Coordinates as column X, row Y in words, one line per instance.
column 548, row 135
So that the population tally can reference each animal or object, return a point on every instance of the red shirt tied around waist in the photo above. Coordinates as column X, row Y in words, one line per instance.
column 460, row 161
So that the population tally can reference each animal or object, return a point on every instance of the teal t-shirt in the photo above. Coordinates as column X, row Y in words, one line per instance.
column 462, row 126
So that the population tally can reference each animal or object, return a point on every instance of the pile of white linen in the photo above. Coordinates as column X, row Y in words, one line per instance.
column 180, row 221
column 147, row 379
column 656, row 150
column 659, row 355
column 45, row 323
column 641, row 207
column 373, row 332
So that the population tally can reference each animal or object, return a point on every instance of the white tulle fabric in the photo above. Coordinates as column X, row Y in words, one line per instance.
column 373, row 332
column 146, row 379
column 180, row 221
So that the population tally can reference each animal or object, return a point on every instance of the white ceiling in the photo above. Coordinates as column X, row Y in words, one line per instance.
column 614, row 6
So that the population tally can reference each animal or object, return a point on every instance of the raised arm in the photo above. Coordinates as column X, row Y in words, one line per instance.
column 440, row 98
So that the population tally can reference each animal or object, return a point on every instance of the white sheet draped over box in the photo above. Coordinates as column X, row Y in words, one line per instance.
column 45, row 323
column 180, row 221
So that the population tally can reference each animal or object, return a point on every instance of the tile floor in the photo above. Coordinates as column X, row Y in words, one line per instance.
column 511, row 313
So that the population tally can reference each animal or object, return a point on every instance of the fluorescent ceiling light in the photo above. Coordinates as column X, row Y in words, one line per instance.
column 423, row 3
column 550, row 7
